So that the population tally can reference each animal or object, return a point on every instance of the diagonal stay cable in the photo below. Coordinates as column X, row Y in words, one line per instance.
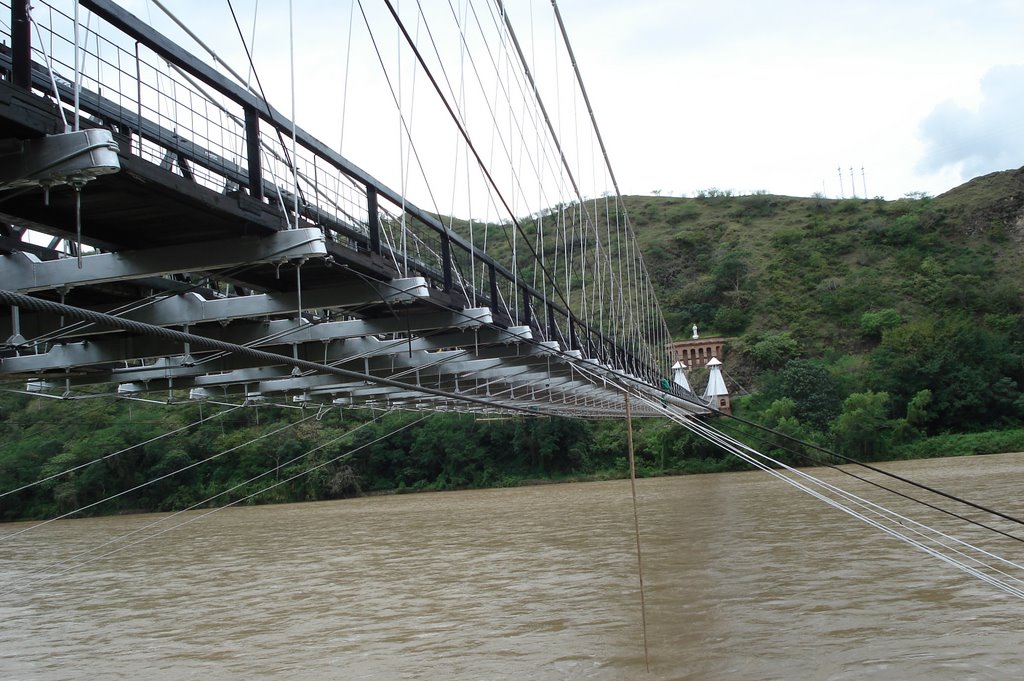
column 160, row 521
column 697, row 402
column 738, row 434
column 902, row 522
column 118, row 452
column 875, row 469
column 236, row 502
column 8, row 537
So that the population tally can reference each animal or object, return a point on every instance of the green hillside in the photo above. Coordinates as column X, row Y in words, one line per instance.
column 739, row 265
column 915, row 299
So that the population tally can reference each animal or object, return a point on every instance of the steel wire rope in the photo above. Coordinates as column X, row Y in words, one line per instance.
column 207, row 500
column 562, row 354
column 417, row 241
column 874, row 469
column 469, row 180
column 402, row 119
column 303, row 324
column 291, row 66
column 396, row 343
column 744, row 452
column 710, row 434
column 404, row 139
column 586, row 98
column 237, row 501
column 494, row 128
column 463, row 131
column 46, row 427
column 554, row 137
column 117, row 453
column 537, row 166
column 974, row 571
column 148, row 329
column 737, row 434
column 461, row 109
column 385, row 345
column 8, row 537
column 265, row 339
column 291, row 161
column 399, row 342
column 902, row 519
column 348, row 63
column 915, row 527
column 461, row 115
column 49, row 68
column 152, row 299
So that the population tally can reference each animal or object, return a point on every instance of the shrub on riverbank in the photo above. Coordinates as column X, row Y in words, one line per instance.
column 963, row 444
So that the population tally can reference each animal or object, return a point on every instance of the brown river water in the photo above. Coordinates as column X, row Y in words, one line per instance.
column 745, row 578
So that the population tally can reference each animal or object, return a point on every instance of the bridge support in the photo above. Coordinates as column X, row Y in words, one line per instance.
column 373, row 219
column 254, row 152
column 21, row 44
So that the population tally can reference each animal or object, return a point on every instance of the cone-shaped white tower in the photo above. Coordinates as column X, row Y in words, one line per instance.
column 716, row 392
column 679, row 376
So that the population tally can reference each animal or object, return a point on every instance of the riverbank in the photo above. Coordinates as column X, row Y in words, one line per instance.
column 108, row 457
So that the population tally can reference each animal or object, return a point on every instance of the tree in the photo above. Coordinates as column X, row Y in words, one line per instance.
column 863, row 429
column 974, row 374
column 730, row 269
column 813, row 390
column 873, row 323
column 773, row 350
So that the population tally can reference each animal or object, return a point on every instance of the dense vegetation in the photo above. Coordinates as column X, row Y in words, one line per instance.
column 874, row 328
column 301, row 454
column 861, row 325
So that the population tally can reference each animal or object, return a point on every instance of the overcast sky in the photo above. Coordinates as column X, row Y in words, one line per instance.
column 744, row 95
column 777, row 95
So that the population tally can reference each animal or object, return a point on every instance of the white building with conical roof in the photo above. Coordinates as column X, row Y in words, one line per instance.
column 679, row 376
column 716, row 393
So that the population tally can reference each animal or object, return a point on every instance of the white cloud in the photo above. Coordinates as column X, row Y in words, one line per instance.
column 981, row 139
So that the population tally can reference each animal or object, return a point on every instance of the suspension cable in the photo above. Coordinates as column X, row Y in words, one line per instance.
column 8, row 537
column 202, row 516
column 118, row 452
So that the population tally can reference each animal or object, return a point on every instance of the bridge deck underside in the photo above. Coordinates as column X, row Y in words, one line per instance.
column 163, row 250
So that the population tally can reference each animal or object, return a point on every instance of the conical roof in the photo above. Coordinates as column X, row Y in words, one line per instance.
column 716, row 384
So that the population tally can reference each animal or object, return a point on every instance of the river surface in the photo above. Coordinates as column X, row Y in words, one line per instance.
column 745, row 578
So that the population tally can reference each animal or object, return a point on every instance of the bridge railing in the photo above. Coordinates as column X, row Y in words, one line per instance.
column 174, row 110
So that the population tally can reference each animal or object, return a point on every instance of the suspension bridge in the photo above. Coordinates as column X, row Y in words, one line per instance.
column 165, row 231
column 285, row 270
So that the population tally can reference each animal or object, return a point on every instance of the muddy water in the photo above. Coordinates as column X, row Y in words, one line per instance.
column 745, row 579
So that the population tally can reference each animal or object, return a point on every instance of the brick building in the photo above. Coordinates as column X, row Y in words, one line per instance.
column 697, row 352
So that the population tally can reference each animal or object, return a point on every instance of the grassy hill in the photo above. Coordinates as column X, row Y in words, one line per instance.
column 815, row 266
column 893, row 297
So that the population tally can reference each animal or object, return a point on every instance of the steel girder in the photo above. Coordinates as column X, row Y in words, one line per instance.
column 26, row 273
